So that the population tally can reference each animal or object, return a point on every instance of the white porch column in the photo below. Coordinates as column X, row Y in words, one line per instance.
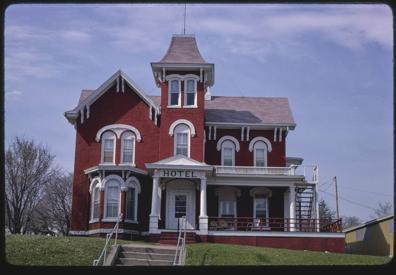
column 292, row 207
column 203, row 217
column 153, row 228
column 316, row 201
column 286, row 208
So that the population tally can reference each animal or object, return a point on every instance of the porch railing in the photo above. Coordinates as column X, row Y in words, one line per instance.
column 310, row 172
column 180, row 254
column 102, row 257
column 273, row 224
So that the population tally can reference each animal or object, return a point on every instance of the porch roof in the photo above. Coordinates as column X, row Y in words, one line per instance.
column 179, row 162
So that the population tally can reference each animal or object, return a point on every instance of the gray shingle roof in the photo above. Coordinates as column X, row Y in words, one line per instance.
column 228, row 109
column 260, row 110
column 183, row 49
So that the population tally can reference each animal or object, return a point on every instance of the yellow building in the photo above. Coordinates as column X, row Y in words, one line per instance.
column 374, row 237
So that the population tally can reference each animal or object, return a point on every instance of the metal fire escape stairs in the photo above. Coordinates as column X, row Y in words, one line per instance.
column 305, row 207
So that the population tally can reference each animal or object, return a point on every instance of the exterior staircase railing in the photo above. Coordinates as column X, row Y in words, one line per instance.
column 180, row 254
column 103, row 254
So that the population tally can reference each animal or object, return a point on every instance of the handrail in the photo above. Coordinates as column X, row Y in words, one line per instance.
column 181, row 243
column 103, row 254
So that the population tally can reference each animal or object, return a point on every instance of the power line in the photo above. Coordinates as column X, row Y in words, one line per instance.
column 366, row 191
column 353, row 202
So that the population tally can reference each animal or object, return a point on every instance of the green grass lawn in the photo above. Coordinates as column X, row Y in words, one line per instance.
column 224, row 254
column 53, row 251
column 81, row 251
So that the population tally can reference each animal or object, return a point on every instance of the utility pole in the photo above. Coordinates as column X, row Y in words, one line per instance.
column 336, row 191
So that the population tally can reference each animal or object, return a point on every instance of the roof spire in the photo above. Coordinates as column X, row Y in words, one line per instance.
column 184, row 26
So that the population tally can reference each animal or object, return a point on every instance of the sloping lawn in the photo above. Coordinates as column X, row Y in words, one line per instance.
column 53, row 251
column 224, row 254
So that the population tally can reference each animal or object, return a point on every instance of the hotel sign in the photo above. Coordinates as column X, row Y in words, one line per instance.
column 170, row 173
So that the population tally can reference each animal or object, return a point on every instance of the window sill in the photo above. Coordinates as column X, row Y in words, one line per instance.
column 109, row 220
column 173, row 106
column 94, row 221
column 127, row 164
column 190, row 106
column 131, row 221
column 106, row 163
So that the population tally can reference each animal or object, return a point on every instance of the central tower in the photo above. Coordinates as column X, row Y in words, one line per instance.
column 183, row 77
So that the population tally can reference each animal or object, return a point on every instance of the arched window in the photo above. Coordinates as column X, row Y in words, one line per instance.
column 174, row 92
column 132, row 189
column 228, row 145
column 190, row 92
column 128, row 148
column 182, row 140
column 112, row 198
column 95, row 200
column 260, row 154
column 228, row 153
column 260, row 147
column 108, row 147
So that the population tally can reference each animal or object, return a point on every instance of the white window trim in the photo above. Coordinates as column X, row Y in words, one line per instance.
column 171, row 78
column 224, row 138
column 188, row 131
column 222, row 153
column 105, row 183
column 102, row 147
column 118, row 129
column 182, row 121
column 133, row 150
column 195, row 105
column 266, row 141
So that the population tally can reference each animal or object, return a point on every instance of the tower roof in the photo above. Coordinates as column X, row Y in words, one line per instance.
column 183, row 49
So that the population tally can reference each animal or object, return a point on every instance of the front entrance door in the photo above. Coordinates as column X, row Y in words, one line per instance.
column 180, row 201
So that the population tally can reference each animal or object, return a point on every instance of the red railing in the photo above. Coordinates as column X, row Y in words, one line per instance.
column 273, row 224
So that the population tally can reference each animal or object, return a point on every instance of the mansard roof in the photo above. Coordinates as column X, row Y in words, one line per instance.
column 183, row 49
column 249, row 110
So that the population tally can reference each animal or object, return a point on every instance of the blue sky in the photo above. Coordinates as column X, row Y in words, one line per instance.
column 333, row 62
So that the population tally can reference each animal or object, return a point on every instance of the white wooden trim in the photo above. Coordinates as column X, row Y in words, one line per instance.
column 182, row 121
column 118, row 129
column 113, row 137
column 234, row 140
column 266, row 141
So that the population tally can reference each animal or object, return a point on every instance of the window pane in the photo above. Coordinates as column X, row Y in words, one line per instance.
column 180, row 205
column 227, row 208
column 108, row 152
column 108, row 144
column 190, row 86
column 260, row 157
column 182, row 144
column 174, row 99
column 95, row 210
column 127, row 150
column 227, row 156
column 190, row 99
column 108, row 156
column 130, row 204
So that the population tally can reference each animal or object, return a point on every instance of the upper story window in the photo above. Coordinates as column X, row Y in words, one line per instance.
column 182, row 140
column 228, row 153
column 128, row 148
column 174, row 92
column 108, row 147
column 228, row 146
column 190, row 92
column 260, row 147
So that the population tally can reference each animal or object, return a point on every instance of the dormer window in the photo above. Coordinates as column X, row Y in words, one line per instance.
column 228, row 145
column 190, row 92
column 260, row 146
column 174, row 92
column 108, row 147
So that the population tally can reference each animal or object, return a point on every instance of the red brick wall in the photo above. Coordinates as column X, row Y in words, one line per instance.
column 110, row 108
column 169, row 115
column 336, row 245
column 244, row 157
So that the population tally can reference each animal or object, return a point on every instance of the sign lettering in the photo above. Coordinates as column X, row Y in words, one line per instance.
column 179, row 173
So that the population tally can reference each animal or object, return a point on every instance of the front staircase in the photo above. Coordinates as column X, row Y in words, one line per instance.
column 148, row 255
column 169, row 237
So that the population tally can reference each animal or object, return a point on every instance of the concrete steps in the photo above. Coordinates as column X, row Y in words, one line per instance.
column 148, row 255
column 171, row 238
